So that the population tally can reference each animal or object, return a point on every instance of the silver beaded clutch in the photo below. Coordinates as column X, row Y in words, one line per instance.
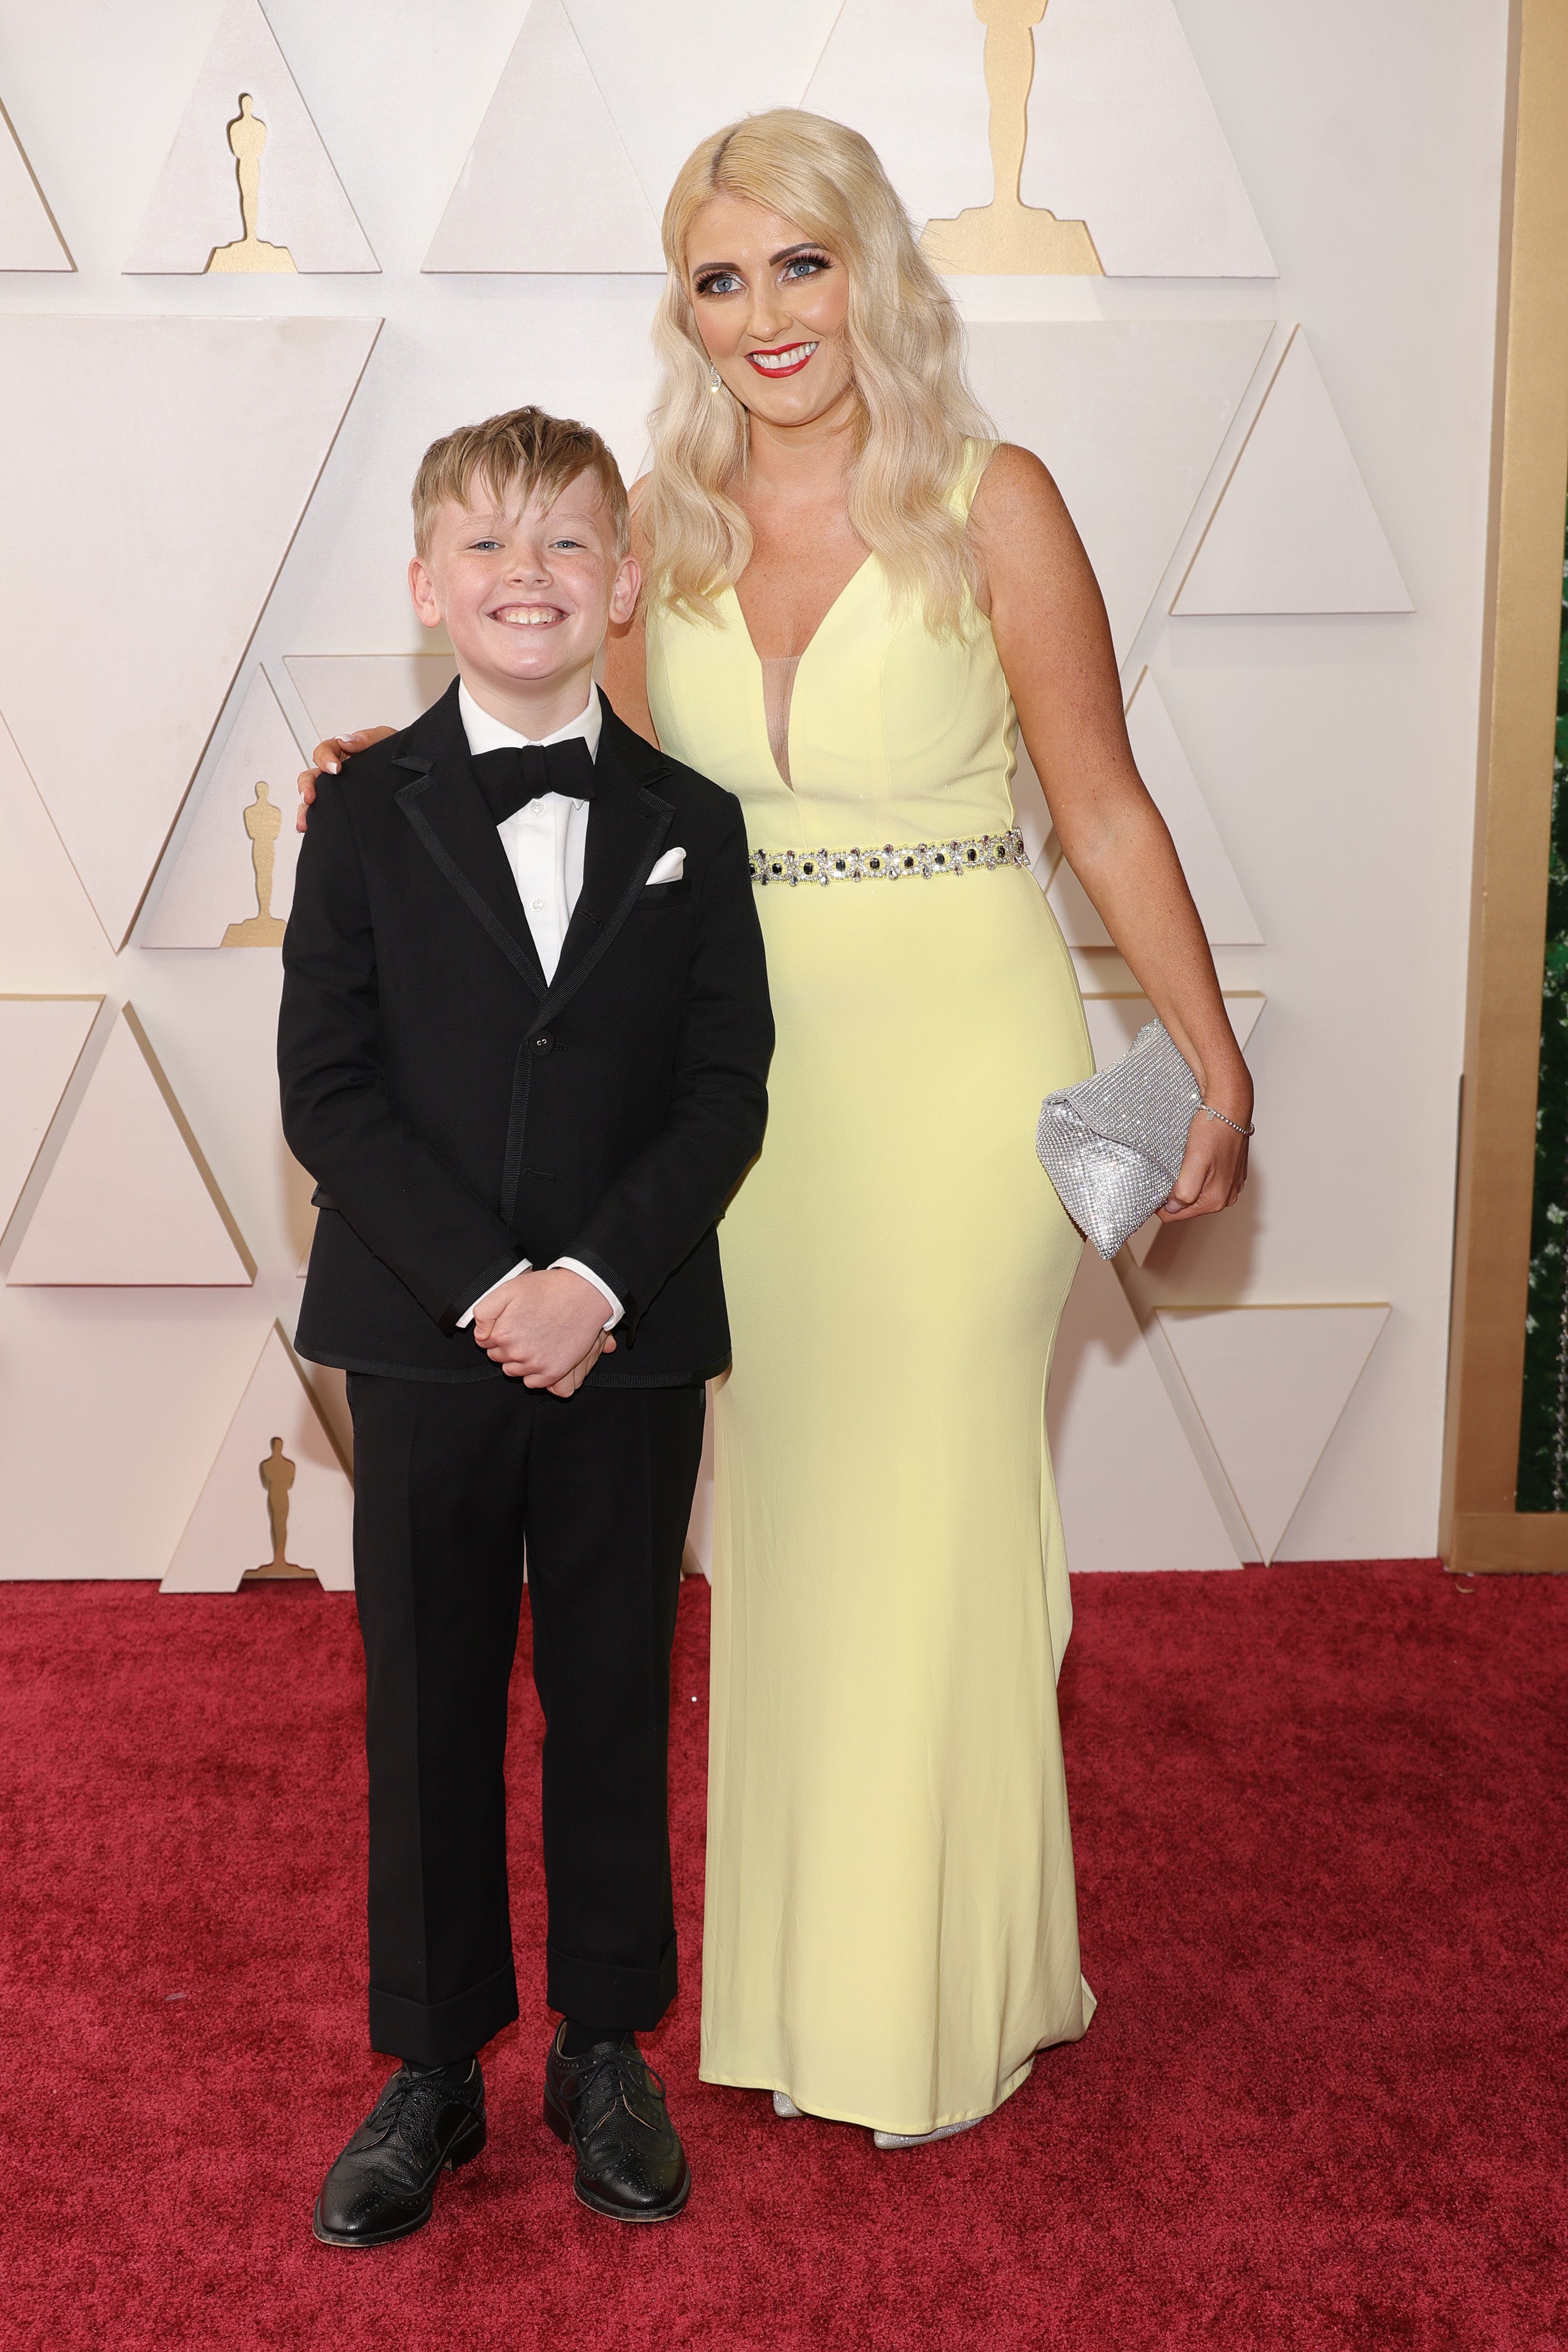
column 1112, row 1145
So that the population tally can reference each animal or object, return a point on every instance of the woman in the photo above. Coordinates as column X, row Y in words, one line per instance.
column 856, row 599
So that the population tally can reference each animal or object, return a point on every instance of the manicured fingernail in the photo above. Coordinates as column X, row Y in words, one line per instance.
column 332, row 767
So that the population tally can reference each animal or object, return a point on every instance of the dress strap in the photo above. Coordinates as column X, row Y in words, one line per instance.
column 977, row 456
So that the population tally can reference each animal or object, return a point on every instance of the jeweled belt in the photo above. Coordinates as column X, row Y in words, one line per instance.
column 925, row 860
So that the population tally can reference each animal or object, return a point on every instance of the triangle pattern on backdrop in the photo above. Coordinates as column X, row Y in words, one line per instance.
column 1129, row 414
column 222, row 427
column 28, row 236
column 41, row 1038
column 193, row 216
column 1121, row 133
column 673, row 71
column 130, row 1201
column 53, row 939
column 1270, row 1384
column 344, row 691
column 1163, row 765
column 1295, row 531
column 1124, row 136
column 1115, row 1017
column 252, row 1483
column 909, row 76
column 1108, row 1407
column 212, row 896
column 548, row 184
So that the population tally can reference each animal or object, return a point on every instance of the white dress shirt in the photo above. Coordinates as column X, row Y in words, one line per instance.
column 544, row 841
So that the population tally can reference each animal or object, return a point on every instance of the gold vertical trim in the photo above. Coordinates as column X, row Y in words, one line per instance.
column 1513, row 804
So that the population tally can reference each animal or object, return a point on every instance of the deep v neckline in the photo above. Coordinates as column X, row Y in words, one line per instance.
column 784, row 772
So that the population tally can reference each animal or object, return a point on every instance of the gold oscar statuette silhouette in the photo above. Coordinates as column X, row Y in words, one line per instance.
column 1006, row 236
column 263, row 822
column 247, row 138
column 277, row 1476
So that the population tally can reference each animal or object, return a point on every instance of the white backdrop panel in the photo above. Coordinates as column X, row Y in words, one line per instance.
column 130, row 1198
column 1129, row 417
column 49, row 936
column 28, row 238
column 1132, row 1496
column 1124, row 136
column 929, row 122
column 195, row 206
column 1334, row 752
column 673, row 71
column 585, row 209
column 341, row 691
column 41, row 1038
column 1270, row 1382
column 1295, row 531
column 212, row 881
column 231, row 1529
column 220, row 429
column 142, row 1401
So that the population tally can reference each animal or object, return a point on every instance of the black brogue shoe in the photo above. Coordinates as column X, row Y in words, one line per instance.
column 608, row 2106
column 383, row 2184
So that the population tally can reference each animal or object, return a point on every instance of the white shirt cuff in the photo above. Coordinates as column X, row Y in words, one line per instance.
column 575, row 1265
column 523, row 1266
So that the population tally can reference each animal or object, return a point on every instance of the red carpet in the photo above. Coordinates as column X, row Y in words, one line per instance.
column 1323, row 1877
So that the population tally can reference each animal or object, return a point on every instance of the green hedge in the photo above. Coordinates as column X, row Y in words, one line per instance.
column 1543, row 1433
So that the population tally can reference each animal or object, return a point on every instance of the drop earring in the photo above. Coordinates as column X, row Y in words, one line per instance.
column 715, row 380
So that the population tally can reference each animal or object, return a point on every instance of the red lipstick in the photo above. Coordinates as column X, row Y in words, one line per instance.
column 774, row 374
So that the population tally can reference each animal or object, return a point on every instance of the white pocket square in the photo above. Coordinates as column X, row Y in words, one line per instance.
column 669, row 868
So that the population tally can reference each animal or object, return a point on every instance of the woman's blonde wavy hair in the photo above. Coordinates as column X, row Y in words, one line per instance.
column 905, row 352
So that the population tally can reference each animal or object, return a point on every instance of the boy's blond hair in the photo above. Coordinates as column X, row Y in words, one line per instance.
column 539, row 453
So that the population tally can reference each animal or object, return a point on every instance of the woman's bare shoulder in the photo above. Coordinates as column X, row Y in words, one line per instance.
column 1021, row 531
column 1016, row 491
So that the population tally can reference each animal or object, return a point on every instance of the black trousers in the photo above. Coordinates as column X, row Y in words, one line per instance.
column 450, row 1480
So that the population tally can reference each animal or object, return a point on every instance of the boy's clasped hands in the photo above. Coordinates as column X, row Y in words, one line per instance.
column 545, row 1329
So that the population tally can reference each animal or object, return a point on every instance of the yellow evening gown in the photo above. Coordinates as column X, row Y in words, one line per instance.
column 891, row 1925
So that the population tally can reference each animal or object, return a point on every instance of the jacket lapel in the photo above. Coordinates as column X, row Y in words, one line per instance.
column 446, row 810
column 629, row 821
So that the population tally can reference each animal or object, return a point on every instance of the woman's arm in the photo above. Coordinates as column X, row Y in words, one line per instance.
column 1055, row 646
column 625, row 650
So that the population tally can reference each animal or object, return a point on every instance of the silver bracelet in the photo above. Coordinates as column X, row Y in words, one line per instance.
column 1227, row 1122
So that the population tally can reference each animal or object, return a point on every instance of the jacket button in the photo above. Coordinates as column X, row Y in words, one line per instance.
column 544, row 1042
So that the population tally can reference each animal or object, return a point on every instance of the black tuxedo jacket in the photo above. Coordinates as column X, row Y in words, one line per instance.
column 459, row 1113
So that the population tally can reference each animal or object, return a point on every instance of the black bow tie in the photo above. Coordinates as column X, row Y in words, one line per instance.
column 509, row 778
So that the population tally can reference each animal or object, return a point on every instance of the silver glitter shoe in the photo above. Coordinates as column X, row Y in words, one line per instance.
column 920, row 2139
column 786, row 2109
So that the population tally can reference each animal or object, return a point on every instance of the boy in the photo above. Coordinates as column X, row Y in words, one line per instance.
column 524, row 1048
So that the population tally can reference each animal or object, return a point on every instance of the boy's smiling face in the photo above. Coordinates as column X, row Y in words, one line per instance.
column 527, row 588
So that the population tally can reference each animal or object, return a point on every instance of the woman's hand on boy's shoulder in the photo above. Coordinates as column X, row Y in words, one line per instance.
column 327, row 759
